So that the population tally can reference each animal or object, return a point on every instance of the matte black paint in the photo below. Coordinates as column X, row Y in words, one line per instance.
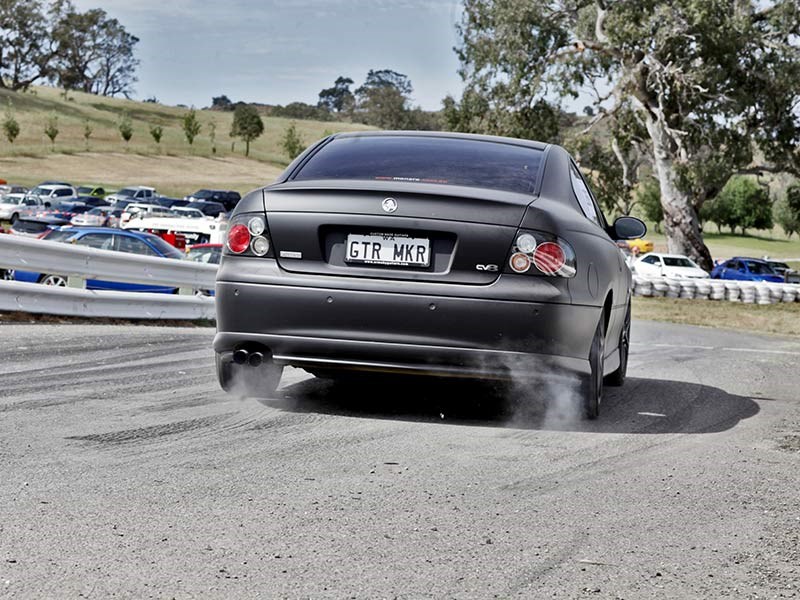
column 449, row 318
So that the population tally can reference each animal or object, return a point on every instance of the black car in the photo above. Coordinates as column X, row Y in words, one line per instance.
column 228, row 198
column 171, row 202
column 436, row 254
column 92, row 201
column 209, row 209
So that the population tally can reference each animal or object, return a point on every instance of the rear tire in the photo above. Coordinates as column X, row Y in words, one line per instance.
column 246, row 381
column 617, row 378
column 592, row 388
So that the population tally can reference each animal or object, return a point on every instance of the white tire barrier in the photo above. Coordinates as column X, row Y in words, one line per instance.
column 747, row 292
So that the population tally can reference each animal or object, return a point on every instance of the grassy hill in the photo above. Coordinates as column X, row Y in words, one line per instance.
column 173, row 166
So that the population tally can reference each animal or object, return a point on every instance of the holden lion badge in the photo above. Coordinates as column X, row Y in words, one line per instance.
column 389, row 205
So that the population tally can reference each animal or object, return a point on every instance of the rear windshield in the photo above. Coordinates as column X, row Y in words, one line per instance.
column 447, row 161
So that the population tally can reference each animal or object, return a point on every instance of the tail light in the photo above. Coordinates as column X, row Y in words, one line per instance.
column 540, row 253
column 248, row 236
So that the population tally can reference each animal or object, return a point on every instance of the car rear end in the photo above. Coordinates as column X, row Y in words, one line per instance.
column 406, row 270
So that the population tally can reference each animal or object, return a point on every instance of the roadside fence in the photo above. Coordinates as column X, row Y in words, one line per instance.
column 748, row 292
column 79, row 263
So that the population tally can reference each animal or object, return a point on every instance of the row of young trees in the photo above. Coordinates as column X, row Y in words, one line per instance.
column 53, row 41
column 246, row 125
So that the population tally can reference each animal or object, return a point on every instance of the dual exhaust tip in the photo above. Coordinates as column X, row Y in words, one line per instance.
column 245, row 357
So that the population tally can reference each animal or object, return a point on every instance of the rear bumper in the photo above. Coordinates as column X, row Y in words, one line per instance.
column 332, row 328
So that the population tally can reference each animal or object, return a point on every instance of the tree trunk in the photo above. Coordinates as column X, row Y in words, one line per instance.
column 247, row 148
column 681, row 223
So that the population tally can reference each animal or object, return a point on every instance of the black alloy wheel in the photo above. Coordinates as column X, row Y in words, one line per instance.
column 592, row 389
column 617, row 378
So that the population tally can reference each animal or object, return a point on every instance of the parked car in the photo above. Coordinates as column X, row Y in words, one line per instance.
column 192, row 224
column 437, row 254
column 780, row 267
column 7, row 188
column 92, row 201
column 35, row 226
column 53, row 192
column 171, row 202
column 745, row 269
column 642, row 246
column 668, row 265
column 142, row 209
column 228, row 198
column 210, row 209
column 14, row 205
column 99, row 216
column 106, row 239
column 91, row 190
column 205, row 253
column 139, row 193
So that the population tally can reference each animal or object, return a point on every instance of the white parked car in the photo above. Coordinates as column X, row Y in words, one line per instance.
column 13, row 206
column 655, row 264
column 137, row 193
column 195, row 229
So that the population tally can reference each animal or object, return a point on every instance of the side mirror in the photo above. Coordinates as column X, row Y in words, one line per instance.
column 628, row 228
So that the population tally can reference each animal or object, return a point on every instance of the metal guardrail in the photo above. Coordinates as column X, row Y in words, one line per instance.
column 51, row 300
column 80, row 263
column 30, row 254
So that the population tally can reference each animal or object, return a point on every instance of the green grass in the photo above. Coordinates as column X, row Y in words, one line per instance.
column 773, row 243
column 33, row 108
column 781, row 318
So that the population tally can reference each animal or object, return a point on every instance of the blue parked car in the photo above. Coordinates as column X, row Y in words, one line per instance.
column 746, row 269
column 105, row 238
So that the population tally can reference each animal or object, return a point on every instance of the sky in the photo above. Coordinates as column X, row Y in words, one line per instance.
column 281, row 51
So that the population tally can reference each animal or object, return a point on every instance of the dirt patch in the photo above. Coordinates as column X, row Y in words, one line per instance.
column 170, row 175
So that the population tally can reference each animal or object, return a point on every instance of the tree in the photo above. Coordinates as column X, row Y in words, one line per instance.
column 191, row 125
column 94, row 53
column 247, row 124
column 787, row 211
column 221, row 103
column 648, row 199
column 10, row 124
column 125, row 127
column 338, row 98
column 383, row 100
column 26, row 48
column 702, row 78
column 292, row 143
column 87, row 132
column 748, row 203
column 212, row 136
column 51, row 129
column 156, row 132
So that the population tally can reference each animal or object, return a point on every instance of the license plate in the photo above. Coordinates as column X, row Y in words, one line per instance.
column 388, row 249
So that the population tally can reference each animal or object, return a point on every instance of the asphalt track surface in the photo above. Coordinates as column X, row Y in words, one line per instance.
column 126, row 473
